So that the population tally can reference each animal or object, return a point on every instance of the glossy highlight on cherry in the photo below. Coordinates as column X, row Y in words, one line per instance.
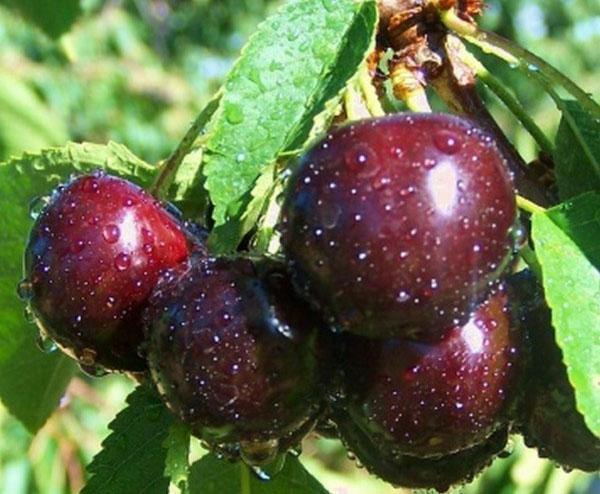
column 237, row 356
column 96, row 250
column 400, row 223
column 432, row 398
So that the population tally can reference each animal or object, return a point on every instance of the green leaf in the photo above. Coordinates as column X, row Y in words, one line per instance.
column 572, row 287
column 300, row 58
column 26, row 123
column 177, row 445
column 53, row 17
column 580, row 220
column 32, row 383
column 21, row 180
column 133, row 458
column 228, row 235
column 577, row 155
column 209, row 475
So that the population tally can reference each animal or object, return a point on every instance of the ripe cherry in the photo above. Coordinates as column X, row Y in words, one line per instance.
column 419, row 473
column 400, row 222
column 549, row 419
column 433, row 398
column 236, row 356
column 93, row 257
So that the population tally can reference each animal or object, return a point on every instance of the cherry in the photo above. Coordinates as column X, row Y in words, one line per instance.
column 419, row 473
column 436, row 397
column 236, row 356
column 549, row 419
column 93, row 257
column 400, row 222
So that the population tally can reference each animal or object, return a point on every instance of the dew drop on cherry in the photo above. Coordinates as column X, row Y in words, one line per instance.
column 111, row 233
column 447, row 142
column 122, row 261
column 25, row 290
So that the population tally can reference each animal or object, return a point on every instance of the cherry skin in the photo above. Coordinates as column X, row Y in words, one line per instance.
column 549, row 419
column 433, row 398
column 399, row 223
column 419, row 473
column 93, row 257
column 236, row 356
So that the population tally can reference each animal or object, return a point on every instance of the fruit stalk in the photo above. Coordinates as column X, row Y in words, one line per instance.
column 456, row 85
column 516, row 56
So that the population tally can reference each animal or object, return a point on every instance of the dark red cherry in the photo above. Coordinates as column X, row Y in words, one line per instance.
column 93, row 257
column 433, row 398
column 419, row 473
column 236, row 355
column 549, row 419
column 399, row 222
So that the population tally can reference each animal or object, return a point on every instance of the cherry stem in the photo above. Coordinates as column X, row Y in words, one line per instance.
column 360, row 97
column 529, row 206
column 460, row 94
column 517, row 56
column 354, row 106
column 369, row 92
column 409, row 89
column 530, row 257
column 168, row 171
column 514, row 105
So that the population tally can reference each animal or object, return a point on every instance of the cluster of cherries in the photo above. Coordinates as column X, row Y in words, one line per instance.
column 390, row 321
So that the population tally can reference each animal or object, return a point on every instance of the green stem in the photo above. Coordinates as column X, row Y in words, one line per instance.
column 409, row 89
column 354, row 106
column 529, row 206
column 162, row 183
column 516, row 108
column 519, row 57
column 369, row 93
column 245, row 479
column 530, row 257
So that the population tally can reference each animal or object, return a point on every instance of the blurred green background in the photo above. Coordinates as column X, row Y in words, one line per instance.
column 137, row 72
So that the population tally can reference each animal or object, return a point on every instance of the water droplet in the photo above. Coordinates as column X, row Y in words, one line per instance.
column 396, row 152
column 122, row 261
column 45, row 344
column 359, row 159
column 130, row 201
column 29, row 315
column 37, row 205
column 447, row 141
column 87, row 357
column 259, row 453
column 77, row 246
column 234, row 113
column 111, row 233
column 25, row 290
column 330, row 5
column 93, row 370
column 330, row 215
column 90, row 184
